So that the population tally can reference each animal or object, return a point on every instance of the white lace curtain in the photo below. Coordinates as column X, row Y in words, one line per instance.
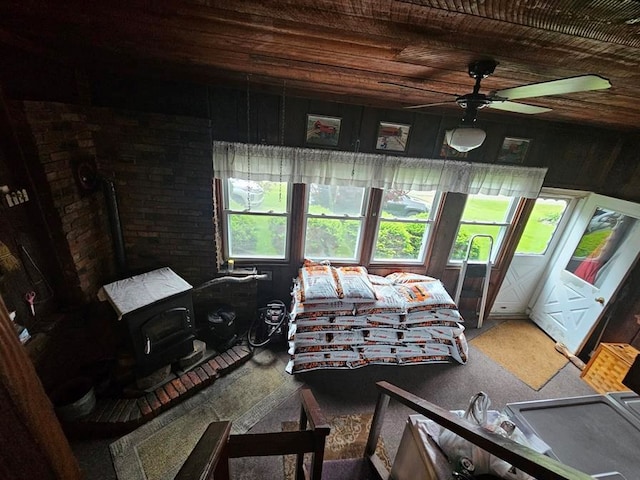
column 331, row 167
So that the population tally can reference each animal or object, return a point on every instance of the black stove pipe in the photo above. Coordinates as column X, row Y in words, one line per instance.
column 116, row 227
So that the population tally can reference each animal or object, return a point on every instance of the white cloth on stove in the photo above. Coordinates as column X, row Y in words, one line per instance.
column 139, row 291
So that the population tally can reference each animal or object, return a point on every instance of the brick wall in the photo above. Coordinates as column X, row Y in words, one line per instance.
column 161, row 168
column 63, row 136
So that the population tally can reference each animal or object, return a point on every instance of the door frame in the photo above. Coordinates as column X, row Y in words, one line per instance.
column 571, row 235
column 564, row 231
column 573, row 198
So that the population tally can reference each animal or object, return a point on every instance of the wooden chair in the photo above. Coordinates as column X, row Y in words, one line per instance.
column 209, row 459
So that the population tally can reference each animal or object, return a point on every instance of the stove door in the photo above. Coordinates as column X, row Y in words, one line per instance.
column 162, row 333
column 165, row 328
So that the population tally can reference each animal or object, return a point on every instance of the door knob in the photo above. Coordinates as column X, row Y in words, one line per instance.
column 600, row 300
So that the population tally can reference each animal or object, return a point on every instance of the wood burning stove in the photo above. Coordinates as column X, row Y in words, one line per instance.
column 158, row 311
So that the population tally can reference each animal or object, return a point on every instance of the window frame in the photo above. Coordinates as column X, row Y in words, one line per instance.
column 225, row 211
column 506, row 227
column 430, row 223
column 364, row 211
column 298, row 195
column 553, row 194
column 303, row 165
column 297, row 207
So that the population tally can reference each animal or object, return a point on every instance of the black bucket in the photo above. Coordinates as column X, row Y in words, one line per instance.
column 221, row 328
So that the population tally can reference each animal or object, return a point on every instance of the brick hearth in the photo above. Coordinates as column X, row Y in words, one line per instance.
column 114, row 416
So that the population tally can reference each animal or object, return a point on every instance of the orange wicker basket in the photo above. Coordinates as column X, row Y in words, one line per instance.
column 608, row 366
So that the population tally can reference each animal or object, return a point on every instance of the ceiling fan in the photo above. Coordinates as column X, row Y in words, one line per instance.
column 502, row 99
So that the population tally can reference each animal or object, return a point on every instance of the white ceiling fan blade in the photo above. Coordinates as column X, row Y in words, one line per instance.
column 582, row 83
column 517, row 107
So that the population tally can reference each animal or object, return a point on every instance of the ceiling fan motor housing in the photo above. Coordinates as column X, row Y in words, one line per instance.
column 482, row 68
column 471, row 102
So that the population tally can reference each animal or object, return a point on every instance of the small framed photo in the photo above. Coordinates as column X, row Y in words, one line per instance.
column 323, row 131
column 513, row 150
column 392, row 136
column 447, row 151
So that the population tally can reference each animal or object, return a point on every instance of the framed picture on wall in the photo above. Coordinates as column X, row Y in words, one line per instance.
column 392, row 136
column 448, row 152
column 513, row 150
column 323, row 131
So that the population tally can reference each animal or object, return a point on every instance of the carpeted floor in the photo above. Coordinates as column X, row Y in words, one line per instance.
column 345, row 392
column 347, row 439
column 157, row 450
column 523, row 349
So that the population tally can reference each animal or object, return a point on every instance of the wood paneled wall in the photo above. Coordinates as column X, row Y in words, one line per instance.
column 581, row 158
column 602, row 160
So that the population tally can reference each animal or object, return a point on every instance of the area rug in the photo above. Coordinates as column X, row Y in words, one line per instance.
column 157, row 450
column 523, row 349
column 347, row 439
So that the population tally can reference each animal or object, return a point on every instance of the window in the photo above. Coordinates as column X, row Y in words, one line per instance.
column 606, row 232
column 256, row 218
column 335, row 216
column 541, row 226
column 485, row 216
column 359, row 207
column 335, row 223
column 405, row 221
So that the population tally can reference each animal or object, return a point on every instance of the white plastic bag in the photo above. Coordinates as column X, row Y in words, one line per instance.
column 459, row 450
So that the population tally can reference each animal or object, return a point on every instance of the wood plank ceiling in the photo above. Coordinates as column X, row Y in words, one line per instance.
column 371, row 52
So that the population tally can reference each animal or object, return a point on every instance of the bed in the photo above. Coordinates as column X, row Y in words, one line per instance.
column 345, row 318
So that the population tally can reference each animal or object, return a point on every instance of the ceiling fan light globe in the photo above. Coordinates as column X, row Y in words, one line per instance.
column 464, row 139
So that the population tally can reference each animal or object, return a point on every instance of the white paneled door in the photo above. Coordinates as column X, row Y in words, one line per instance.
column 596, row 251
column 518, row 285
column 540, row 238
